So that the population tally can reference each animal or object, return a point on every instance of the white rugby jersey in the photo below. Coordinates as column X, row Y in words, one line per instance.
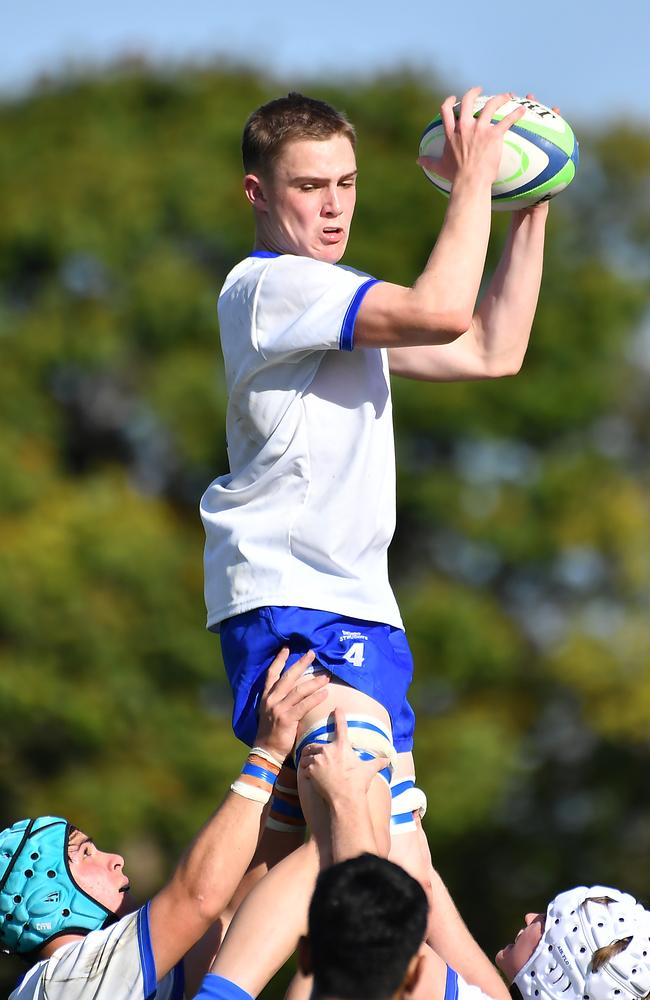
column 112, row 964
column 463, row 990
column 307, row 511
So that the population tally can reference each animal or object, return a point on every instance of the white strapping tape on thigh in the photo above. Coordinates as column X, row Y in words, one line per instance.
column 365, row 733
column 406, row 799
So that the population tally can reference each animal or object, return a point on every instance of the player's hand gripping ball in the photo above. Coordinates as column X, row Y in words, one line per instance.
column 539, row 159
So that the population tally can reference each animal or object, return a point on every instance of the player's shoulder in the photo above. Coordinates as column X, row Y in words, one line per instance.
column 262, row 263
column 244, row 279
column 266, row 282
column 61, row 969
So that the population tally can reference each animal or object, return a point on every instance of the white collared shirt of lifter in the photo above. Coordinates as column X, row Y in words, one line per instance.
column 307, row 512
column 116, row 963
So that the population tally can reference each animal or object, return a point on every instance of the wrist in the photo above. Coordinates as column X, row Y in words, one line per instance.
column 269, row 752
column 258, row 776
column 345, row 800
column 470, row 184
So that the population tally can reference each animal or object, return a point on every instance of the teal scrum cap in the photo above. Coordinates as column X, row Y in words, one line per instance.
column 39, row 899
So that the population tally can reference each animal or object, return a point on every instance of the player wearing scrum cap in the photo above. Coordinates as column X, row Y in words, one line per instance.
column 367, row 921
column 591, row 944
column 64, row 903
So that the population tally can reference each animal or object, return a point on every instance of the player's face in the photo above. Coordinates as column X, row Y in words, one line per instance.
column 310, row 198
column 513, row 957
column 99, row 874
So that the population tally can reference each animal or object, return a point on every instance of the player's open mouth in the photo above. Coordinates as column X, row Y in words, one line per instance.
column 332, row 234
column 125, row 887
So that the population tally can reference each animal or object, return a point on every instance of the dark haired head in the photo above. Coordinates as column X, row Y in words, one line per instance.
column 288, row 119
column 367, row 920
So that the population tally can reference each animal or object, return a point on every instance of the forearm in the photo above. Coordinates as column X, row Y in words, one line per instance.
column 439, row 306
column 451, row 279
column 351, row 829
column 495, row 343
column 503, row 321
column 215, row 862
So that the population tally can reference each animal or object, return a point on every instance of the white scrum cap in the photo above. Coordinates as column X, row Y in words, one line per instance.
column 576, row 926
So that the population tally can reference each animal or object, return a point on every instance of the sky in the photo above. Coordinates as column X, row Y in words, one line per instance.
column 587, row 56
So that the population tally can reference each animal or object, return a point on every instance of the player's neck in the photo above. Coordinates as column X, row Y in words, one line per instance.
column 48, row 949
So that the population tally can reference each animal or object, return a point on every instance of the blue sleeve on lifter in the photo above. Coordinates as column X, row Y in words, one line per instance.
column 224, row 989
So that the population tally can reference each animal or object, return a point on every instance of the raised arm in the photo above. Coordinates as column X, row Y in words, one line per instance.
column 216, row 860
column 440, row 305
column 496, row 340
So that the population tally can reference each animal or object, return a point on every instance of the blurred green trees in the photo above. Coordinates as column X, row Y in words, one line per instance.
column 522, row 557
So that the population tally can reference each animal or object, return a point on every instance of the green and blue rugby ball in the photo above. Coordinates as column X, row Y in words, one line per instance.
column 539, row 159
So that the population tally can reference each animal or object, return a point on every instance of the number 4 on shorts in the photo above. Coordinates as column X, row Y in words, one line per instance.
column 354, row 654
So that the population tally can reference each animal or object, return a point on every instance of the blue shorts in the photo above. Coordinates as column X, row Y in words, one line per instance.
column 371, row 657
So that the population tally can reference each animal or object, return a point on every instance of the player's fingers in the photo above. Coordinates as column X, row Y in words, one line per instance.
column 299, row 705
column 306, row 686
column 467, row 105
column 510, row 119
column 492, row 106
column 288, row 679
column 305, row 705
column 448, row 116
column 376, row 764
column 301, row 694
column 275, row 669
column 341, row 734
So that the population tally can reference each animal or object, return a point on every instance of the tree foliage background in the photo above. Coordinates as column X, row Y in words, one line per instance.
column 522, row 556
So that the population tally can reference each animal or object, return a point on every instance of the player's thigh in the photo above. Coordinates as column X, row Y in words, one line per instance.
column 358, row 706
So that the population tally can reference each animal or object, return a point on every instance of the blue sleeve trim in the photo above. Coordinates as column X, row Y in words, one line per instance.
column 346, row 339
column 451, row 984
column 224, row 989
column 147, row 962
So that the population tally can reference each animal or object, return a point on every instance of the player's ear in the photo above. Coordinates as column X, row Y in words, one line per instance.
column 304, row 956
column 414, row 975
column 254, row 190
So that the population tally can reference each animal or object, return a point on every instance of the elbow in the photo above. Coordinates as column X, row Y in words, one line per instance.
column 515, row 367
column 207, row 910
column 504, row 368
column 446, row 327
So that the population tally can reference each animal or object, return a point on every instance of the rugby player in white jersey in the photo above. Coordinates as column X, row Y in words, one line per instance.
column 297, row 532
column 367, row 919
column 64, row 903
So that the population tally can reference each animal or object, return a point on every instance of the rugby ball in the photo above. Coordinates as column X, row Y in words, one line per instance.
column 539, row 159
